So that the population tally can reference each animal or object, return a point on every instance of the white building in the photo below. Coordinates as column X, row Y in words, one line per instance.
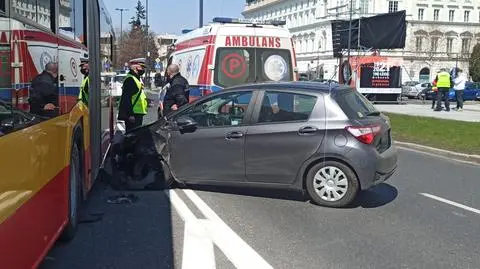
column 163, row 43
column 440, row 33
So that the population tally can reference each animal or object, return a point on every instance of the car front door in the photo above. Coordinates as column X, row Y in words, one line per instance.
column 282, row 136
column 215, row 150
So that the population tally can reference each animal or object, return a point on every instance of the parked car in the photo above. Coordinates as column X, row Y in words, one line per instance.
column 407, row 85
column 415, row 91
column 301, row 135
column 477, row 96
column 470, row 93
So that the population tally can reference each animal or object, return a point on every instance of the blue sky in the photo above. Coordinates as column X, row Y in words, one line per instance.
column 171, row 16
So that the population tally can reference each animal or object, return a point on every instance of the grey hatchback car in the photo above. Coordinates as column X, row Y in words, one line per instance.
column 325, row 139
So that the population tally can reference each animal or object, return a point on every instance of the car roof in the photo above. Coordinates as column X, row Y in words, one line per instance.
column 294, row 85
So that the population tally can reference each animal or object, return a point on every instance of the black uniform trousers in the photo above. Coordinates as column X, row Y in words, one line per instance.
column 137, row 123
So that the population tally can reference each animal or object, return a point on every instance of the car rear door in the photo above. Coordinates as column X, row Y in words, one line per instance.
column 285, row 131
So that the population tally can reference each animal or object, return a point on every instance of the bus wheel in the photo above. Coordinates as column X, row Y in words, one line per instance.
column 74, row 195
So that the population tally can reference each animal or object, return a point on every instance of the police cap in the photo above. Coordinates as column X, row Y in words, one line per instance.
column 138, row 61
column 83, row 61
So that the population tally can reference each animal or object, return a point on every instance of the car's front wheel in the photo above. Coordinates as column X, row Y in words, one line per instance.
column 332, row 184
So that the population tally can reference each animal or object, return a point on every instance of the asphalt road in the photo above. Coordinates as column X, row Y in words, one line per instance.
column 411, row 221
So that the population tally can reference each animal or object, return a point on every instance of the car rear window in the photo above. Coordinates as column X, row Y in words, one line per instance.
column 354, row 104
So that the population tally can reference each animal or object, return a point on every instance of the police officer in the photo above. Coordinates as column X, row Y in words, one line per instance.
column 84, row 69
column 133, row 103
column 444, row 82
column 177, row 94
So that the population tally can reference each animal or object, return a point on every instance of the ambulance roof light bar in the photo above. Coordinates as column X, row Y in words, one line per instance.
column 249, row 21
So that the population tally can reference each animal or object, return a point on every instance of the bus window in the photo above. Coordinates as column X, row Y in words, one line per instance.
column 39, row 11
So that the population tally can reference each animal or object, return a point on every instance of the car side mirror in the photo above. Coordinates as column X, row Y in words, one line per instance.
column 186, row 124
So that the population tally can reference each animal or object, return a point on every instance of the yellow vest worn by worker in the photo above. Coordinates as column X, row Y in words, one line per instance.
column 83, row 95
column 443, row 80
column 139, row 100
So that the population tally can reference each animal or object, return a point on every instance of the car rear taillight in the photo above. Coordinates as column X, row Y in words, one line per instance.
column 364, row 134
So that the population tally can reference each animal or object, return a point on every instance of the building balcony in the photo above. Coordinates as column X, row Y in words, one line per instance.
column 254, row 5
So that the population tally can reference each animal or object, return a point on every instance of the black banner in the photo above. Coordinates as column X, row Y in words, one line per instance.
column 384, row 31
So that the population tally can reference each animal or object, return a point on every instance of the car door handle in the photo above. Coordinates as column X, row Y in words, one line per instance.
column 234, row 135
column 307, row 130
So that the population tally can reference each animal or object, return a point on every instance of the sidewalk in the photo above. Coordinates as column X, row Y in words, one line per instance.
column 470, row 113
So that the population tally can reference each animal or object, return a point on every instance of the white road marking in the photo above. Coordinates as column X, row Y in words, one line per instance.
column 437, row 156
column 237, row 251
column 198, row 249
column 443, row 200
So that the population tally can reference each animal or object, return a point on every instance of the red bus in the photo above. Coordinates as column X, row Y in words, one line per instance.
column 48, row 164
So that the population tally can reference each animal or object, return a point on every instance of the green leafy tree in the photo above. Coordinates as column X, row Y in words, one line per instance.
column 140, row 14
column 474, row 63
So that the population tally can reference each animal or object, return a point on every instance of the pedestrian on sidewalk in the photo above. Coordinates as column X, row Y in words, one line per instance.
column 435, row 92
column 177, row 94
column 444, row 83
column 459, row 88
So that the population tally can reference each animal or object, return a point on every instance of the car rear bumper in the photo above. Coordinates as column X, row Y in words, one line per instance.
column 372, row 167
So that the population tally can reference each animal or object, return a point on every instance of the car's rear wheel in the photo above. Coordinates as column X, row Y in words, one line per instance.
column 332, row 184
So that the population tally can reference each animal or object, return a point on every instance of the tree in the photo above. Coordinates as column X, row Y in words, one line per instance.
column 140, row 14
column 474, row 63
column 133, row 46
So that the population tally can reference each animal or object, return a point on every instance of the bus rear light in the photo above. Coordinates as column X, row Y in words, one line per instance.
column 364, row 134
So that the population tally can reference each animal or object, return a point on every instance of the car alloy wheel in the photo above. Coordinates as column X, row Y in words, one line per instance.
column 331, row 183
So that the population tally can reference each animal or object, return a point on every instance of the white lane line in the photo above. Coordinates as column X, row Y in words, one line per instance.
column 443, row 200
column 232, row 245
column 180, row 206
column 198, row 249
column 438, row 156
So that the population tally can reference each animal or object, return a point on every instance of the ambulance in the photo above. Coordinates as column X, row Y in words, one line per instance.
column 230, row 52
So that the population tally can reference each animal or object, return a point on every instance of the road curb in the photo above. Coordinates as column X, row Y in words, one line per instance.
column 440, row 152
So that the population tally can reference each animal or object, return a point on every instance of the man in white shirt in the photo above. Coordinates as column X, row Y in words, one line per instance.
column 459, row 87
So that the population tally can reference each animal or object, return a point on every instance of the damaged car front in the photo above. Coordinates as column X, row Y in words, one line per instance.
column 140, row 158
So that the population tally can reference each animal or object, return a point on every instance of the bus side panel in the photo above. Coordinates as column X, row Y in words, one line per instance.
column 33, row 199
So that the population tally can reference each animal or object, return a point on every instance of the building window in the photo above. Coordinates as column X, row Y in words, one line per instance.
column 451, row 15
column 392, row 6
column 364, row 6
column 419, row 43
column 465, row 45
column 420, row 14
column 436, row 14
column 449, row 45
column 434, row 44
column 466, row 16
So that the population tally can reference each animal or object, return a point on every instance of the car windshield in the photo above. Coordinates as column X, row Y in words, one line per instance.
column 236, row 66
column 354, row 104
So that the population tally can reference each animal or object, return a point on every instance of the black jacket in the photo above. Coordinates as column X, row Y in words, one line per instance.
column 129, row 88
column 177, row 94
column 43, row 91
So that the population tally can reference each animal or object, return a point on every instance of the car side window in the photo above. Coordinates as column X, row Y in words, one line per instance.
column 286, row 106
column 227, row 109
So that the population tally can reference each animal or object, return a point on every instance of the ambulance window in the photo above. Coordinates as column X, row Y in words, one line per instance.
column 233, row 66
column 275, row 65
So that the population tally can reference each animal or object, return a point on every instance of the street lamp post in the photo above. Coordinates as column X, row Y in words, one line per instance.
column 200, row 18
column 121, row 23
column 147, row 58
column 350, row 31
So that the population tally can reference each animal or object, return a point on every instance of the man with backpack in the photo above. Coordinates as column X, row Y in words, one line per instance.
column 177, row 94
